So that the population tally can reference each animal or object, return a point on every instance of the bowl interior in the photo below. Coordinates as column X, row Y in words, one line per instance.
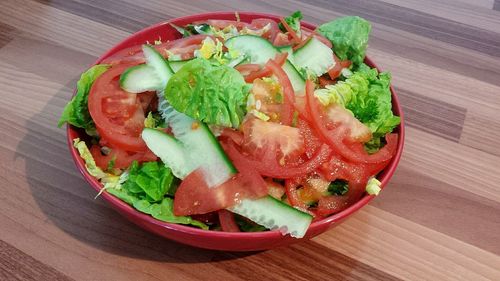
column 165, row 31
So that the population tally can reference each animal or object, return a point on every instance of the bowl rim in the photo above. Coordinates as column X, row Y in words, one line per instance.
column 124, row 208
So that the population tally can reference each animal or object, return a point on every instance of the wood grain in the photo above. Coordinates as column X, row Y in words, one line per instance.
column 438, row 219
column 16, row 265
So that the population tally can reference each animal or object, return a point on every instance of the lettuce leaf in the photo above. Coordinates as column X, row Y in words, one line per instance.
column 373, row 187
column 107, row 179
column 76, row 111
column 367, row 95
column 90, row 164
column 145, row 190
column 214, row 94
column 293, row 21
column 150, row 180
column 349, row 36
column 161, row 211
column 143, row 187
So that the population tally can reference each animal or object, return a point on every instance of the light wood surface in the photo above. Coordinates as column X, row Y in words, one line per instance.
column 438, row 219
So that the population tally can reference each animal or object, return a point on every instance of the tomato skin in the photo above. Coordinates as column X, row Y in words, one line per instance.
column 194, row 196
column 227, row 222
column 121, row 131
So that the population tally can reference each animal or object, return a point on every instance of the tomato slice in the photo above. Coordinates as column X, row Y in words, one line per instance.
column 227, row 222
column 357, row 175
column 259, row 136
column 195, row 197
column 311, row 140
column 118, row 115
column 270, row 167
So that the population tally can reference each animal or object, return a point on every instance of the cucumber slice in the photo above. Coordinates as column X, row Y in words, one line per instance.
column 298, row 83
column 274, row 214
column 151, row 76
column 315, row 57
column 259, row 51
column 140, row 78
column 201, row 145
column 156, row 60
column 170, row 151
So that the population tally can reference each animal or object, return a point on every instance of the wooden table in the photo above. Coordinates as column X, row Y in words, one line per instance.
column 438, row 219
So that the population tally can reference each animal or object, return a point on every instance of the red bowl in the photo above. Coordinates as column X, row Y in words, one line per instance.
column 244, row 241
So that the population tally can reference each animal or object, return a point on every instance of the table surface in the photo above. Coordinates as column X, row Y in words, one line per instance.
column 438, row 219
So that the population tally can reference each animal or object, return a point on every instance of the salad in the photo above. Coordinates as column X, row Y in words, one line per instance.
column 239, row 126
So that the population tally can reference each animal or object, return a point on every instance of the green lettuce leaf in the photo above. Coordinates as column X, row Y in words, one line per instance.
column 145, row 190
column 164, row 211
column 76, row 111
column 367, row 95
column 161, row 211
column 349, row 36
column 151, row 179
column 214, row 94
column 293, row 21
